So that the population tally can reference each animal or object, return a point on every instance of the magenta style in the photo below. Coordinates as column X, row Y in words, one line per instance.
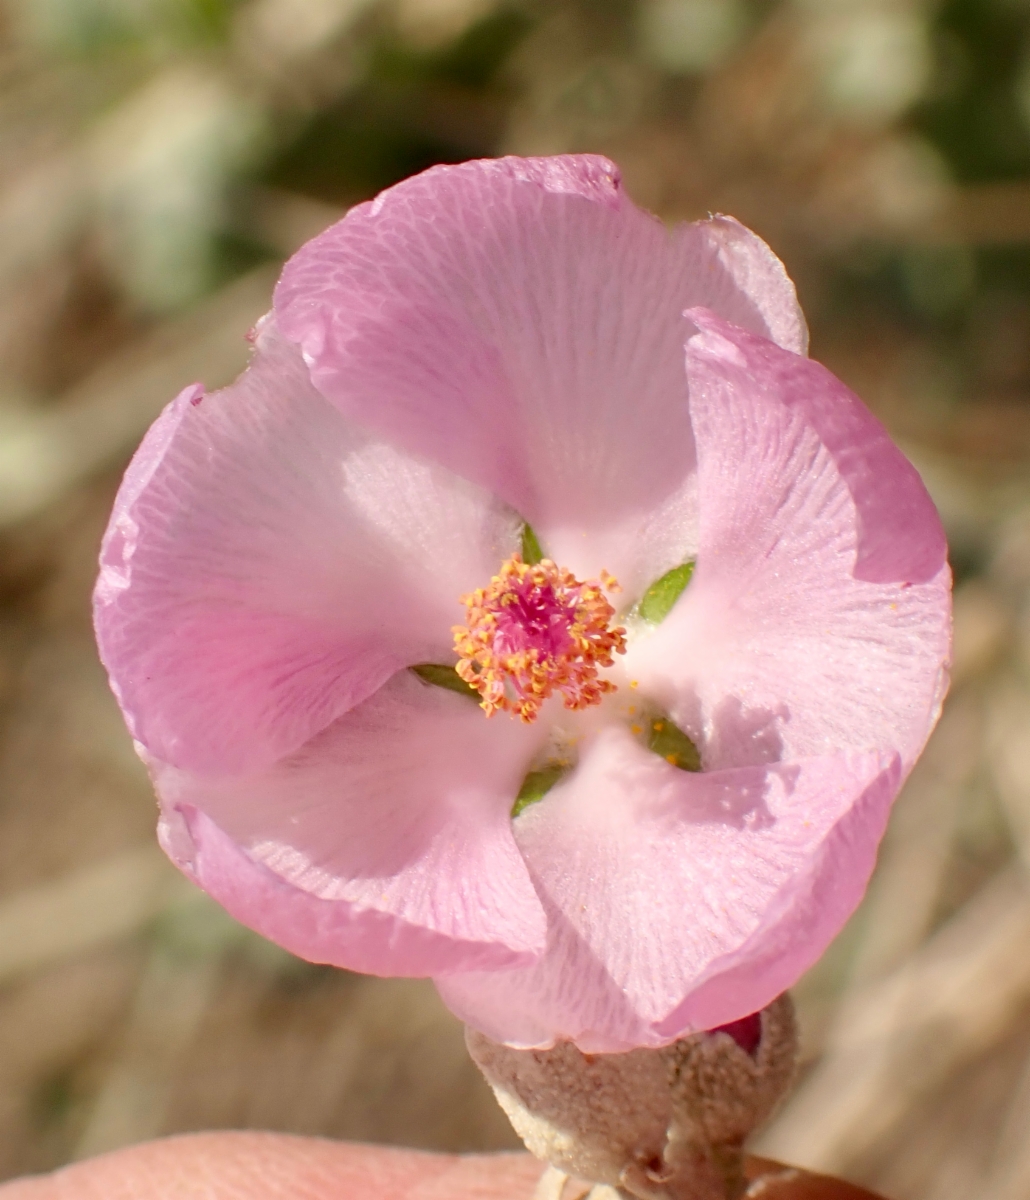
column 482, row 348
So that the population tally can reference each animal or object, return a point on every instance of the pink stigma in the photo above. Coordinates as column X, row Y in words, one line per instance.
column 536, row 630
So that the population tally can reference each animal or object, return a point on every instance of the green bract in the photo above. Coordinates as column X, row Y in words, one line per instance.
column 440, row 675
column 537, row 784
column 531, row 552
column 656, row 603
column 672, row 744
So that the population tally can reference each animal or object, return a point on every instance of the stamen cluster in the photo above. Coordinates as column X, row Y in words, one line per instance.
column 535, row 630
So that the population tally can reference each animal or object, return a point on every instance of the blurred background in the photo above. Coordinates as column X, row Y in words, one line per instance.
column 158, row 160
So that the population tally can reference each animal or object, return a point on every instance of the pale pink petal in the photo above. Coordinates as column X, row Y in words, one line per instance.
column 680, row 901
column 636, row 549
column 818, row 617
column 267, row 566
column 744, row 282
column 385, row 845
column 518, row 320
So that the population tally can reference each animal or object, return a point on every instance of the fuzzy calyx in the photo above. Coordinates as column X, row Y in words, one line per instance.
column 665, row 1124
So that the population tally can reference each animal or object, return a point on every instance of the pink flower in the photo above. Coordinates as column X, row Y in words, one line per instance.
column 482, row 346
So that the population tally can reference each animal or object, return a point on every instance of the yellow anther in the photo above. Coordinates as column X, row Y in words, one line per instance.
column 535, row 630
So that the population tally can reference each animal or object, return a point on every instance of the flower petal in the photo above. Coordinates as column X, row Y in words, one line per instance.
column 679, row 901
column 267, row 567
column 746, row 283
column 385, row 845
column 518, row 320
column 818, row 617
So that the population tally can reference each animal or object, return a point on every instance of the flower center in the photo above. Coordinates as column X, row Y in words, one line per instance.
column 536, row 629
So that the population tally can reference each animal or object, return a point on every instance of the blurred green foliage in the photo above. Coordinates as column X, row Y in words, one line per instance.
column 91, row 27
column 978, row 112
column 408, row 110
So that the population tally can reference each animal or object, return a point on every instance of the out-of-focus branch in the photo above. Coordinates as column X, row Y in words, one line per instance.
column 898, row 1040
column 87, row 909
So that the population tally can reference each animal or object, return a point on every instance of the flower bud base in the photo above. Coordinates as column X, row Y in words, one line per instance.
column 648, row 1124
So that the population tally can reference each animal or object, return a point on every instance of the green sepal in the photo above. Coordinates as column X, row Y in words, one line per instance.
column 531, row 552
column 440, row 675
column 656, row 603
column 537, row 784
column 668, row 740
